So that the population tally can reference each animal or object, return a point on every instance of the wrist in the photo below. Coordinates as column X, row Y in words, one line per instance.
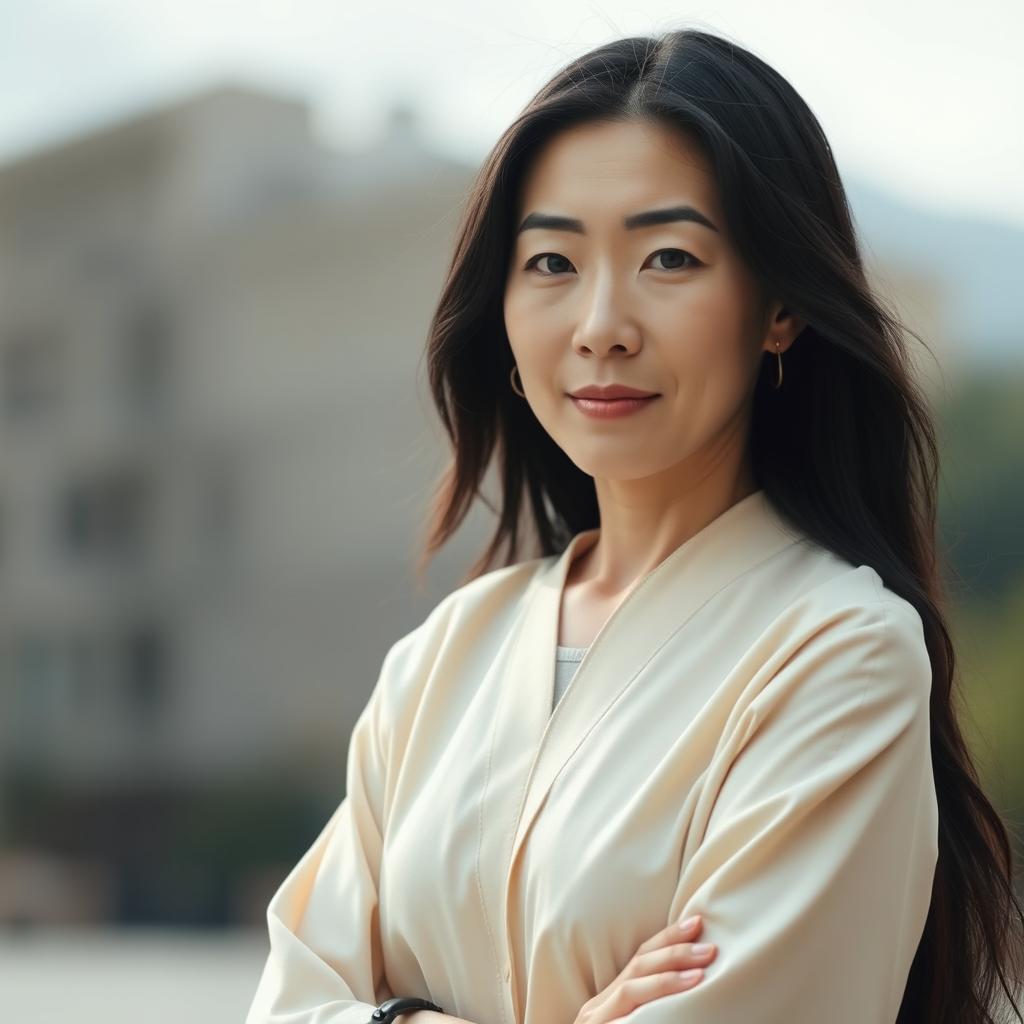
column 400, row 1010
column 429, row 1017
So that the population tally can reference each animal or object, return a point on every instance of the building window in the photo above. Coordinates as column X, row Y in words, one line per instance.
column 145, row 670
column 30, row 371
column 108, row 515
column 42, row 687
column 83, row 652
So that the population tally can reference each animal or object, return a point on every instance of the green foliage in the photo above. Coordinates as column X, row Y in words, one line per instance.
column 981, row 514
column 981, row 500
column 989, row 640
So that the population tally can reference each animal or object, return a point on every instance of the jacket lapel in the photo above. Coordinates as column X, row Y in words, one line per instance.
column 744, row 535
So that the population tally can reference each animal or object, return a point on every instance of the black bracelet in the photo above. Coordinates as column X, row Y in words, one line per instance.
column 391, row 1008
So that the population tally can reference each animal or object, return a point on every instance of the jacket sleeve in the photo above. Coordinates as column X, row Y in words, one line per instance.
column 815, row 868
column 326, row 964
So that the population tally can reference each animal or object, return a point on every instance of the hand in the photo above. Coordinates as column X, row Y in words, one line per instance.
column 652, row 972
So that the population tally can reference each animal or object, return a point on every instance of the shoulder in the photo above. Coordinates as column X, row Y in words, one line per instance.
column 475, row 614
column 844, row 665
column 851, row 618
column 493, row 595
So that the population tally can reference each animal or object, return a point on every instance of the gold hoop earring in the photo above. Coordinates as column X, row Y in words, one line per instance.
column 512, row 377
column 778, row 381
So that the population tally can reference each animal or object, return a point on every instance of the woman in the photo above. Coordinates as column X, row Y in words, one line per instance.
column 739, row 563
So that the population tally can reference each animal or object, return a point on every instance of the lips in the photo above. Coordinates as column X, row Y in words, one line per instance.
column 609, row 392
column 611, row 408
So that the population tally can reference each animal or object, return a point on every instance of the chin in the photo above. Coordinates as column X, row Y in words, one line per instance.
column 622, row 467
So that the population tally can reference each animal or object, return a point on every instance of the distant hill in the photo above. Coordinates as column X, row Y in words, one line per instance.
column 981, row 263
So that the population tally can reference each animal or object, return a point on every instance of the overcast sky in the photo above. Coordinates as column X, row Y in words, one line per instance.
column 923, row 98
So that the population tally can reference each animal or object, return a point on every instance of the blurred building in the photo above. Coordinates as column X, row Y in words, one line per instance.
column 212, row 466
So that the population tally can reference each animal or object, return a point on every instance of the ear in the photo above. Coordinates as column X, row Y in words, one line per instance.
column 783, row 327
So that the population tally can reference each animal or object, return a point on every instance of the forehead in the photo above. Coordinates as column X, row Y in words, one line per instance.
column 619, row 167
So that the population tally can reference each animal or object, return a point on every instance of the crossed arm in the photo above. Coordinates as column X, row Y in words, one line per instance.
column 813, row 869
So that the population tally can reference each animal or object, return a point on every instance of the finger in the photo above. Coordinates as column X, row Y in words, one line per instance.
column 687, row 929
column 637, row 991
column 678, row 957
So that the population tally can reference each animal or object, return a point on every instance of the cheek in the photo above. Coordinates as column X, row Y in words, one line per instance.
column 708, row 333
column 517, row 318
column 528, row 329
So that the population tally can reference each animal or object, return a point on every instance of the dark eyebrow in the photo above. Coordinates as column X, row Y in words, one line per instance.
column 635, row 220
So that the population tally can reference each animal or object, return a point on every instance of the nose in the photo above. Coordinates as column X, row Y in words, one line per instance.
column 605, row 323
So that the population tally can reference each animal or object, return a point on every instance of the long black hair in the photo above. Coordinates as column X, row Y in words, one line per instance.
column 846, row 449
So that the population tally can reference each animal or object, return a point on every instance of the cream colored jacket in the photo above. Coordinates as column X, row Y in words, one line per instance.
column 746, row 738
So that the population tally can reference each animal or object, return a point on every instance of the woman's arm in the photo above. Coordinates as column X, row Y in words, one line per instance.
column 814, row 869
column 326, row 962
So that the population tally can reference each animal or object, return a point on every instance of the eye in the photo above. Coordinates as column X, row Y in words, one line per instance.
column 533, row 262
column 694, row 262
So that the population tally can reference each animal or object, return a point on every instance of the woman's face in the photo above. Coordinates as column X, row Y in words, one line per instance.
column 666, row 308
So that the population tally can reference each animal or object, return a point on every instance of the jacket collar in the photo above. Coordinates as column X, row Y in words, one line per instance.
column 746, row 534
